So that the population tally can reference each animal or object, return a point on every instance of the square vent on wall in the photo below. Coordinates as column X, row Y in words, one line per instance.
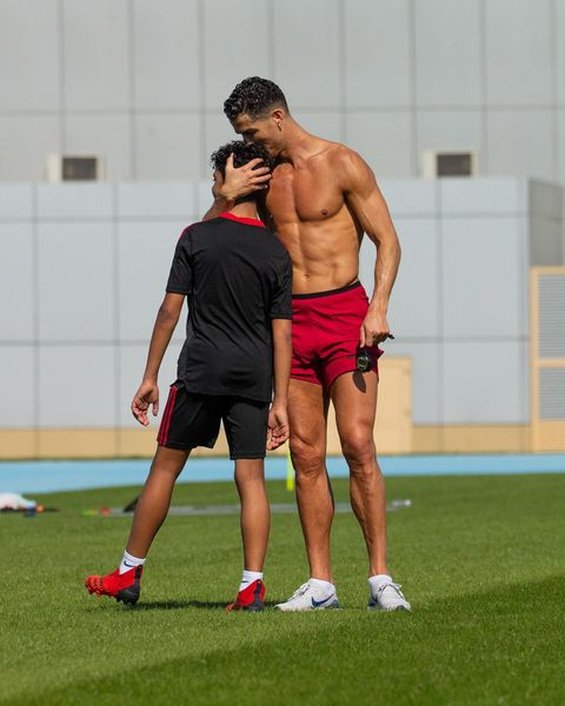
column 449, row 164
column 67, row 167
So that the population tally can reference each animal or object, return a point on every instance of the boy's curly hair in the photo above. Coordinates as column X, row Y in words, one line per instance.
column 243, row 152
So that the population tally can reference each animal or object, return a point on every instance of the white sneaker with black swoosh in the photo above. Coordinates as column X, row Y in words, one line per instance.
column 309, row 597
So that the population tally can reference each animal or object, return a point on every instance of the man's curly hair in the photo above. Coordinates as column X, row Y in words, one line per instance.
column 254, row 96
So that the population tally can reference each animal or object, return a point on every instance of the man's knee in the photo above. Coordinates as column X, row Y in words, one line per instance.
column 358, row 449
column 308, row 458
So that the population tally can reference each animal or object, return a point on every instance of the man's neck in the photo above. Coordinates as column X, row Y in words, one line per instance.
column 248, row 209
column 300, row 144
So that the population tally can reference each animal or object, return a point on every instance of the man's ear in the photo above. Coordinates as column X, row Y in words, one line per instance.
column 277, row 115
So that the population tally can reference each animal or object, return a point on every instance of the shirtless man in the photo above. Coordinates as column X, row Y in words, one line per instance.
column 321, row 198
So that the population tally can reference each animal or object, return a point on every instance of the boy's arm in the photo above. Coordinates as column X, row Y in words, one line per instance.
column 148, row 392
column 278, row 426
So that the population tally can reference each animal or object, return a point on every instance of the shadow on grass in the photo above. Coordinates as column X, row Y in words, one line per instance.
column 181, row 605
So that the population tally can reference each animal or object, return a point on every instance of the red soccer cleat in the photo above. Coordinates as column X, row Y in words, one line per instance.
column 251, row 598
column 123, row 587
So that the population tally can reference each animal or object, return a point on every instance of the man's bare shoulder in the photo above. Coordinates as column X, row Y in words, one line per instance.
column 353, row 170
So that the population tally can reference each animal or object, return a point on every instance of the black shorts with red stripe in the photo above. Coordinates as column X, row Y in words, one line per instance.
column 191, row 419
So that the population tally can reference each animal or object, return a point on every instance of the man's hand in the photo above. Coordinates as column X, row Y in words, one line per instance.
column 277, row 426
column 374, row 330
column 240, row 181
column 147, row 394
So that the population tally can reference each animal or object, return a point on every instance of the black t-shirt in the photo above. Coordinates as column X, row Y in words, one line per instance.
column 237, row 277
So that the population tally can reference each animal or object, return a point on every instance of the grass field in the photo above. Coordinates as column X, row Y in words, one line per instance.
column 480, row 558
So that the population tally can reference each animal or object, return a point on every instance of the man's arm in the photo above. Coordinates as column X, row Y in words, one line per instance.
column 148, row 392
column 278, row 426
column 370, row 209
column 239, row 181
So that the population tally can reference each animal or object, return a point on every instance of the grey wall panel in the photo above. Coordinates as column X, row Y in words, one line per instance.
column 483, row 382
column 518, row 44
column 326, row 124
column 501, row 196
column 80, row 201
column 546, row 242
column 77, row 386
column 415, row 198
column 482, row 274
column 414, row 305
column 235, row 44
column 96, row 51
column 519, row 143
column 427, row 377
column 156, row 200
column 167, row 72
column 17, row 285
column 449, row 131
column 29, row 41
column 377, row 46
column 76, row 282
column 168, row 146
column 448, row 53
column 132, row 360
column 16, row 201
column 384, row 140
column 145, row 253
column 108, row 136
column 558, row 34
column 309, row 78
column 25, row 142
column 18, row 396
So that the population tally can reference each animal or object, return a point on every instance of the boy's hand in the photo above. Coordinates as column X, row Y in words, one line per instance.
column 277, row 426
column 147, row 394
column 241, row 181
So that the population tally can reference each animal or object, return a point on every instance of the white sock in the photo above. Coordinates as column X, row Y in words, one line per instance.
column 129, row 562
column 378, row 580
column 248, row 577
column 326, row 587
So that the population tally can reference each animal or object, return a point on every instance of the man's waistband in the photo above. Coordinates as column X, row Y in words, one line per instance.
column 329, row 292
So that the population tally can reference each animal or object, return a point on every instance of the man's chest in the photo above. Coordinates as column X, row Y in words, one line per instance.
column 303, row 195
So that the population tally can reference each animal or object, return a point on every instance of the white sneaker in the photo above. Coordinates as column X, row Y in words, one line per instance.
column 309, row 597
column 388, row 597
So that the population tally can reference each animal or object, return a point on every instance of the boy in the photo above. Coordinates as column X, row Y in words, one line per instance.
column 237, row 279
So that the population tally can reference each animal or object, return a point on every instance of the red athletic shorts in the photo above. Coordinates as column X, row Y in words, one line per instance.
column 325, row 334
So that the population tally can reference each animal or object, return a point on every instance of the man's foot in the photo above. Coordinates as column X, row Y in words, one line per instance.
column 124, row 587
column 388, row 597
column 309, row 597
column 252, row 598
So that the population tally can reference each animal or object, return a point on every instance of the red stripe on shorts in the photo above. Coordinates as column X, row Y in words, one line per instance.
column 162, row 437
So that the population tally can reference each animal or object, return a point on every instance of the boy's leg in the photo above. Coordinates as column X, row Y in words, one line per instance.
column 245, row 422
column 124, row 584
column 255, row 516
column 155, row 499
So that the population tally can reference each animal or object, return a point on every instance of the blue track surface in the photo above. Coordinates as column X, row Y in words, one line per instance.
column 52, row 476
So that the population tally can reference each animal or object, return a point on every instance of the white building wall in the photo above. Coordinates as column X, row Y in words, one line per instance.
column 142, row 83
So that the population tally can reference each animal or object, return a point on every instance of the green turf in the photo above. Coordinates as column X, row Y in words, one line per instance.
column 481, row 560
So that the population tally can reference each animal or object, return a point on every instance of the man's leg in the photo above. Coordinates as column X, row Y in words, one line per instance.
column 308, row 410
column 354, row 396
column 155, row 499
column 255, row 515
